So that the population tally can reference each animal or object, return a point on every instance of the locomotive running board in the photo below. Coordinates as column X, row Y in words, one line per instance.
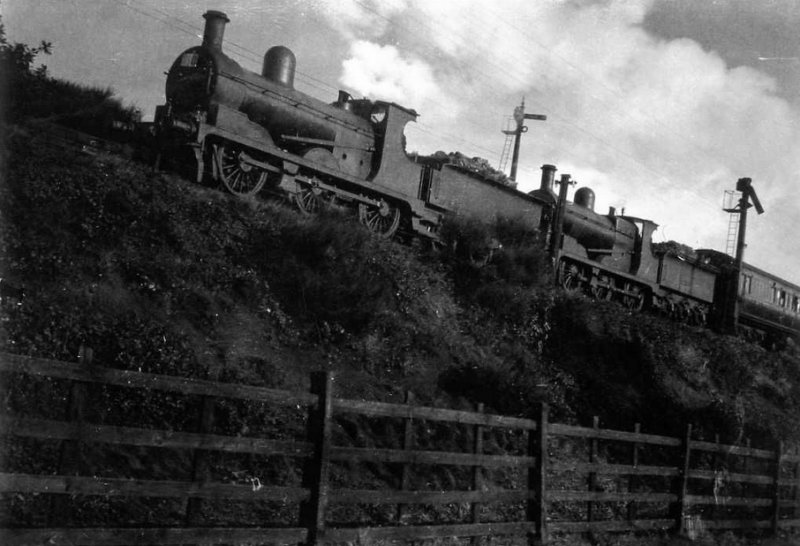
column 418, row 208
column 582, row 260
column 314, row 183
column 654, row 288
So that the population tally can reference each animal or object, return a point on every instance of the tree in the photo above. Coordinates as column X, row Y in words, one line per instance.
column 17, row 58
column 31, row 93
column 17, row 73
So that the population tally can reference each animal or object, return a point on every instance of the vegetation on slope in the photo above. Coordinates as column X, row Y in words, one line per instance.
column 110, row 256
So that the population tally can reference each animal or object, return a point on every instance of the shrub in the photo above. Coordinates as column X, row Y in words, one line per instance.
column 507, row 251
column 329, row 271
column 29, row 92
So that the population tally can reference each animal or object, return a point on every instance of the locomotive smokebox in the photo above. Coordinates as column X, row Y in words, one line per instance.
column 584, row 197
column 279, row 65
column 215, row 29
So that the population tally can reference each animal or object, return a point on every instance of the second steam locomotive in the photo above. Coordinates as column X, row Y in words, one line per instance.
column 255, row 133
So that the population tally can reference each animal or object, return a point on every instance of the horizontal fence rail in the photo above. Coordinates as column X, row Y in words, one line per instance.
column 618, row 481
column 382, row 409
column 60, row 430
column 122, row 487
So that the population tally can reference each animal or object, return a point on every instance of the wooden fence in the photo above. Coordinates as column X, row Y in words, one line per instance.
column 521, row 478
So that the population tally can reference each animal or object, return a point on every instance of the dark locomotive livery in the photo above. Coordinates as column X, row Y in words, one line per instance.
column 255, row 133
column 612, row 256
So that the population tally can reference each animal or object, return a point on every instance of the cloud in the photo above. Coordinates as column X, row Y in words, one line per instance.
column 662, row 127
column 357, row 19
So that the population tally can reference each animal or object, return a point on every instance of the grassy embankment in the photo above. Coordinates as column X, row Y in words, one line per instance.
column 158, row 274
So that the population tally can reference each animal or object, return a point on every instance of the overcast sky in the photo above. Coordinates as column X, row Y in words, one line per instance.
column 659, row 106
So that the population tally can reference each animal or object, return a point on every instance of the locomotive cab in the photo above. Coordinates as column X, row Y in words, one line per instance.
column 643, row 261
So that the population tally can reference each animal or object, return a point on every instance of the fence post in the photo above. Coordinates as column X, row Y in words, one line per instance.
column 746, row 468
column 796, row 507
column 632, row 481
column 716, row 462
column 477, row 473
column 683, row 484
column 318, row 468
column 537, row 507
column 776, row 507
column 200, row 469
column 592, row 481
column 71, row 453
column 408, row 442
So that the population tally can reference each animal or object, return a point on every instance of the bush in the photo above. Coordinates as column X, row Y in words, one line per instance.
column 513, row 380
column 507, row 251
column 330, row 272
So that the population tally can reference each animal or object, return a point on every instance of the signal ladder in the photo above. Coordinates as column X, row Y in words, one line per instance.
column 729, row 205
column 509, row 131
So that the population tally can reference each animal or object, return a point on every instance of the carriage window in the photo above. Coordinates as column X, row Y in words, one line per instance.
column 782, row 298
column 795, row 304
column 774, row 294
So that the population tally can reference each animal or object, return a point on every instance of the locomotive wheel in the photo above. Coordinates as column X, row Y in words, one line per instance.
column 307, row 199
column 237, row 175
column 679, row 312
column 666, row 307
column 698, row 317
column 602, row 291
column 634, row 298
column 382, row 220
column 569, row 277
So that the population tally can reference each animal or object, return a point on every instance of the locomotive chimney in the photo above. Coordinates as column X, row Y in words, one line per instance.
column 215, row 29
column 279, row 65
column 548, row 176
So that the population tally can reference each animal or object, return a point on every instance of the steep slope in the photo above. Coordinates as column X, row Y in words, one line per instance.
column 154, row 272
column 634, row 367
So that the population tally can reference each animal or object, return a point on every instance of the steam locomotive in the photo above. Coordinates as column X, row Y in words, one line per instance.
column 255, row 133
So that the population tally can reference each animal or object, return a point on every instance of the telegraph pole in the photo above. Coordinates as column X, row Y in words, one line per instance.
column 520, row 116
